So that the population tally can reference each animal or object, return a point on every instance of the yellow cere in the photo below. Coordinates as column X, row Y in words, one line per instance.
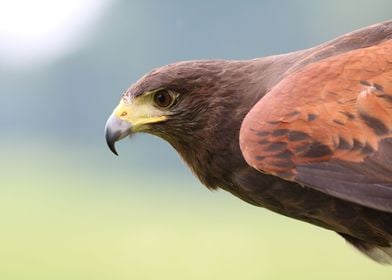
column 139, row 112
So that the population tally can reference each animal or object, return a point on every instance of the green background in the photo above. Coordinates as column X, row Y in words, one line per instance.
column 69, row 209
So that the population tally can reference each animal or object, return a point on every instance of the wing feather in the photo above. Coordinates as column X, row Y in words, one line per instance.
column 329, row 126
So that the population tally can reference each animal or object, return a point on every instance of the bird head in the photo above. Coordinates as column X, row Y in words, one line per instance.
column 197, row 106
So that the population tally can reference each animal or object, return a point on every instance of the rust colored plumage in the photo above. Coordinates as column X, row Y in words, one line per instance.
column 333, row 114
column 306, row 134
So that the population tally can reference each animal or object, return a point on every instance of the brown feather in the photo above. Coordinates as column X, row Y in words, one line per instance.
column 356, row 84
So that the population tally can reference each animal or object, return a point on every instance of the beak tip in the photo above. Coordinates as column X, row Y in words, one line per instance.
column 111, row 145
column 114, row 151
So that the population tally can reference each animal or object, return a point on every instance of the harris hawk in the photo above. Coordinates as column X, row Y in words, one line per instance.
column 306, row 134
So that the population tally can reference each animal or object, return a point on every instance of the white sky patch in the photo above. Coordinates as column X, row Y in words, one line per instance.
column 38, row 31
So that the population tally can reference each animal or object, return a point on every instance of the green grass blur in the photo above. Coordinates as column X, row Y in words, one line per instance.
column 63, row 217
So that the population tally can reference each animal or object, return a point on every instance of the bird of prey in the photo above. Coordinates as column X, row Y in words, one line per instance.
column 306, row 134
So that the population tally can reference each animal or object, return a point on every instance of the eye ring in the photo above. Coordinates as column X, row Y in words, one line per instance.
column 164, row 98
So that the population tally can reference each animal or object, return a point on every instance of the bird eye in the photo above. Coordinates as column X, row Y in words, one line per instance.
column 163, row 98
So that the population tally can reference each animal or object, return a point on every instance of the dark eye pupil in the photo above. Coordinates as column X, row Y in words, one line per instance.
column 163, row 98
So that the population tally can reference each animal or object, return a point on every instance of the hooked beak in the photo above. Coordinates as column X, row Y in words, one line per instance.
column 115, row 130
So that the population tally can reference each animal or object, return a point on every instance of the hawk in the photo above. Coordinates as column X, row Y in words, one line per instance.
column 306, row 134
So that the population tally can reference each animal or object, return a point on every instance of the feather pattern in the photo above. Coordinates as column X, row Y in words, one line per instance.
column 329, row 127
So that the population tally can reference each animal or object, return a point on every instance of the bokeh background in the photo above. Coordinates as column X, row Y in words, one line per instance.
column 69, row 209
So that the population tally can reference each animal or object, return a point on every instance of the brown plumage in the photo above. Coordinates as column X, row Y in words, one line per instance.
column 341, row 133
column 306, row 134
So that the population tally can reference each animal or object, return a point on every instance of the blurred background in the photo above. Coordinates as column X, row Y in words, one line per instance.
column 69, row 209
